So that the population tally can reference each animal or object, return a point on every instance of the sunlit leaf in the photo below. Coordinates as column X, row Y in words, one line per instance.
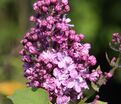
column 83, row 100
column 101, row 102
column 50, row 103
column 30, row 96
column 95, row 87
column 98, row 68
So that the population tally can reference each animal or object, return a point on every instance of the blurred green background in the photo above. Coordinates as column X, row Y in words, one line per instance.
column 97, row 19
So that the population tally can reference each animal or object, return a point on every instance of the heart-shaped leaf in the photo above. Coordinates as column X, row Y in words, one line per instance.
column 30, row 96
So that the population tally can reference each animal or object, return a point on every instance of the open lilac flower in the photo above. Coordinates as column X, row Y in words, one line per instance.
column 54, row 58
column 63, row 99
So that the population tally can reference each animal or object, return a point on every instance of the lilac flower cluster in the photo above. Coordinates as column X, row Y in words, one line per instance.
column 54, row 58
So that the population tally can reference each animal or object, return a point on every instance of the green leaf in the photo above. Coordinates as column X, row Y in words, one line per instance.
column 50, row 103
column 83, row 100
column 98, row 68
column 95, row 87
column 30, row 96
column 101, row 102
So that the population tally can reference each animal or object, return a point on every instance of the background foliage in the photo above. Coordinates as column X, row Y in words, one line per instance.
column 97, row 19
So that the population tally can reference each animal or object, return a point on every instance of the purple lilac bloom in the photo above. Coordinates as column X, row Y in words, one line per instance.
column 54, row 58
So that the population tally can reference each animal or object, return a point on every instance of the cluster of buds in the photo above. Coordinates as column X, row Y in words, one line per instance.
column 116, row 40
column 54, row 56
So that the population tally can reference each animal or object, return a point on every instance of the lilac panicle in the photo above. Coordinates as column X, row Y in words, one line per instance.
column 54, row 58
